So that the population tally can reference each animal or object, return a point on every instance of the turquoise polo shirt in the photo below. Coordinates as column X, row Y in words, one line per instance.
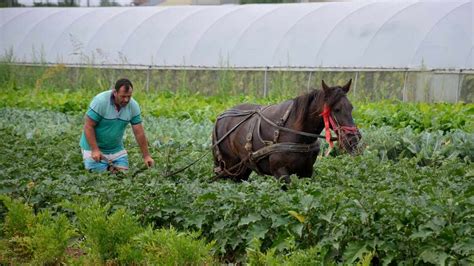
column 111, row 123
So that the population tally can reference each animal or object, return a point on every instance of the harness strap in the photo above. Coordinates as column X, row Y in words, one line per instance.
column 249, row 137
column 215, row 146
column 270, row 148
column 283, row 147
column 282, row 122
column 291, row 130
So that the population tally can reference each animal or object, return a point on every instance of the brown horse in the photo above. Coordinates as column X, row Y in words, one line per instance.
column 282, row 139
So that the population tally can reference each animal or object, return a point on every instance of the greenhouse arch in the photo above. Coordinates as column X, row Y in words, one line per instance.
column 433, row 37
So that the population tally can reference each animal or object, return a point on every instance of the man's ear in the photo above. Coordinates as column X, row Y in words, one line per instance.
column 346, row 87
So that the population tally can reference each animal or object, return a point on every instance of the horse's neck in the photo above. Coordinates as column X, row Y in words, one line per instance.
column 312, row 122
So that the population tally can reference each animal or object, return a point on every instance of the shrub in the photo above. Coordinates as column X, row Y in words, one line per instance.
column 50, row 237
column 166, row 247
column 104, row 233
column 40, row 239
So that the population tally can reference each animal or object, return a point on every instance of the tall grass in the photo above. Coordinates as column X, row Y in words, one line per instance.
column 366, row 86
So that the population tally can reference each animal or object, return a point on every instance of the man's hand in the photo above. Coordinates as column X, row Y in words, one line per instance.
column 139, row 133
column 96, row 156
column 148, row 161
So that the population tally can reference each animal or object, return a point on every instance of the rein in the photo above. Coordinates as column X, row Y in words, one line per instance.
column 247, row 116
column 295, row 131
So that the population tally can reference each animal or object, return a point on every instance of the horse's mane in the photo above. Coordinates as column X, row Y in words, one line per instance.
column 302, row 104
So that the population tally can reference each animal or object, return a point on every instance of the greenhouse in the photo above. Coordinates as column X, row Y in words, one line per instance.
column 407, row 37
column 339, row 132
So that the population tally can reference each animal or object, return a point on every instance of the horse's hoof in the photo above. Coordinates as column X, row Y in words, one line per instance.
column 218, row 171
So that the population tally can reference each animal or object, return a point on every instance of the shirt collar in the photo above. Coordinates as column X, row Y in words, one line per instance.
column 112, row 97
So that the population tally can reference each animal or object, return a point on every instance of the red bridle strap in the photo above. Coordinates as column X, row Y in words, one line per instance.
column 330, row 123
column 327, row 118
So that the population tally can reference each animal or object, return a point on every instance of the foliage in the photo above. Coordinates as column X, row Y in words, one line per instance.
column 312, row 256
column 258, row 258
column 166, row 247
column 381, row 202
column 19, row 219
column 45, row 239
column 50, row 238
column 16, row 230
column 197, row 107
column 426, row 148
column 41, row 239
column 406, row 199
column 418, row 116
column 104, row 234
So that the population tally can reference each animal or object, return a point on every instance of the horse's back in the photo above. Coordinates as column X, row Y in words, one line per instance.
column 246, row 107
column 230, row 117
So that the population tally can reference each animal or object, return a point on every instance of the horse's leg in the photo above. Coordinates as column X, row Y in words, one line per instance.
column 306, row 172
column 279, row 166
column 231, row 167
column 282, row 174
column 244, row 175
column 306, row 169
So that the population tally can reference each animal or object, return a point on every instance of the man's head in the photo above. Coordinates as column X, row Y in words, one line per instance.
column 123, row 92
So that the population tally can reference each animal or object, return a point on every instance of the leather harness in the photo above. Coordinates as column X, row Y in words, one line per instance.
column 270, row 147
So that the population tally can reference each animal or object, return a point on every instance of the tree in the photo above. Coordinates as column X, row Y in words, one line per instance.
column 108, row 3
column 10, row 3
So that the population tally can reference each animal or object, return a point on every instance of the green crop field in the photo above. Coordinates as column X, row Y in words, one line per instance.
column 407, row 199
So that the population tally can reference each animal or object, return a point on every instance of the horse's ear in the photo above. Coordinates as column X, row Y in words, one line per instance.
column 347, row 86
column 326, row 88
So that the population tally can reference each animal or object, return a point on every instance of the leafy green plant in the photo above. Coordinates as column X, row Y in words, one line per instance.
column 104, row 233
column 405, row 200
column 17, row 230
column 257, row 258
column 19, row 219
column 166, row 247
column 50, row 237
column 312, row 256
column 40, row 239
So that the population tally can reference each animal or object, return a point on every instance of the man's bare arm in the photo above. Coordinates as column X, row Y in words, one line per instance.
column 139, row 133
column 89, row 131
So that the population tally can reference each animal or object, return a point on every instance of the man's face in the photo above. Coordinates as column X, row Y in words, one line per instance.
column 122, row 97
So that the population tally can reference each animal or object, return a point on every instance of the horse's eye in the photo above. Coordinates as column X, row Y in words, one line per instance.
column 337, row 110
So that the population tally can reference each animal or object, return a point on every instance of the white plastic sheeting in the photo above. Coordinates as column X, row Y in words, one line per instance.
column 364, row 34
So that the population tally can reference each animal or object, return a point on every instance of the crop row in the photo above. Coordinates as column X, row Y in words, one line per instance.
column 408, row 198
column 199, row 108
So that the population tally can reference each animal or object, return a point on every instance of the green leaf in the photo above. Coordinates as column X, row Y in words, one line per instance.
column 250, row 218
column 278, row 220
column 434, row 256
column 196, row 220
column 283, row 242
column 423, row 234
column 297, row 229
column 355, row 251
column 465, row 248
column 257, row 231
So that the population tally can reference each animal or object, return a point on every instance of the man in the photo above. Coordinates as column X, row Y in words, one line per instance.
column 102, row 139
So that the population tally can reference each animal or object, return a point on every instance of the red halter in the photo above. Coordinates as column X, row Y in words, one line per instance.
column 329, row 121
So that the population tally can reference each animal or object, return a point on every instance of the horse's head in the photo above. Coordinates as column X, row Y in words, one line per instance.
column 337, row 115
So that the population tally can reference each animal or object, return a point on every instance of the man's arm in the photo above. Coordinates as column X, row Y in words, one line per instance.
column 89, row 131
column 139, row 133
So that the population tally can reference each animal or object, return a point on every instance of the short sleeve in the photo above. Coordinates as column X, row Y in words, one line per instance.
column 136, row 114
column 96, row 110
